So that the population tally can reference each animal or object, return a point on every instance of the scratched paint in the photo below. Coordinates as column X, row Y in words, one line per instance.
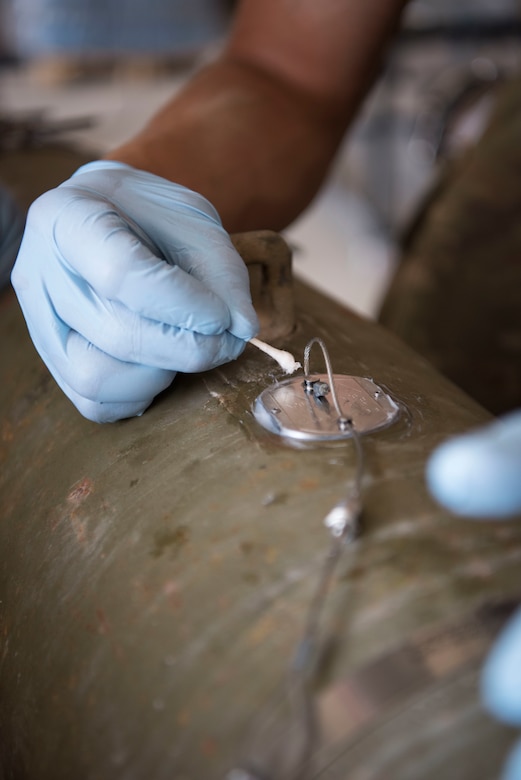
column 170, row 580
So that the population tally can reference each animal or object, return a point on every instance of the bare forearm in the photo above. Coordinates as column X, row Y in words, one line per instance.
column 257, row 151
column 255, row 131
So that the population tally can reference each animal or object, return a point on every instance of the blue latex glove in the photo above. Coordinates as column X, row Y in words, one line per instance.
column 501, row 687
column 124, row 279
column 11, row 229
column 479, row 474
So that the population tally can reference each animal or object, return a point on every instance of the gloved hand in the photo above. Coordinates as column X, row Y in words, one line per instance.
column 501, row 687
column 479, row 474
column 124, row 279
column 11, row 229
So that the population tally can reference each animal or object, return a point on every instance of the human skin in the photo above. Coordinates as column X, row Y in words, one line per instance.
column 256, row 130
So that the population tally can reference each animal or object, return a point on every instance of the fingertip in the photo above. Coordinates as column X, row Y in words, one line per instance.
column 236, row 348
column 244, row 323
column 501, row 678
column 101, row 413
column 477, row 474
column 450, row 476
column 512, row 768
column 196, row 353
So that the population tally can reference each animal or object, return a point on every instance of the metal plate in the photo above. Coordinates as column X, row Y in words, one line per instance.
column 287, row 409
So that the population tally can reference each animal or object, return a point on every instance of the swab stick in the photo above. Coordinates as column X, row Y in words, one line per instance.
column 285, row 359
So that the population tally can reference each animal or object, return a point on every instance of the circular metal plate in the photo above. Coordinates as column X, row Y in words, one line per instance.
column 289, row 410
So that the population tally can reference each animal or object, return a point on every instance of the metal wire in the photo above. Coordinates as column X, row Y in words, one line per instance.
column 329, row 369
column 307, row 648
column 303, row 665
column 341, row 416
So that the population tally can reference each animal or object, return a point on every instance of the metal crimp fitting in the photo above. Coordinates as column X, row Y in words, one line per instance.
column 342, row 520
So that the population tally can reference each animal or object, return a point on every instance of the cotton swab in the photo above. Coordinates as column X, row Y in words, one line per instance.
column 285, row 359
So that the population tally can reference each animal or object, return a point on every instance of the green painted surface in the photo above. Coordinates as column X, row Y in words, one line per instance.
column 156, row 572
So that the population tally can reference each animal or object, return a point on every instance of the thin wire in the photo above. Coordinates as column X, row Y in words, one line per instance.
column 329, row 369
column 305, row 656
column 303, row 665
column 341, row 416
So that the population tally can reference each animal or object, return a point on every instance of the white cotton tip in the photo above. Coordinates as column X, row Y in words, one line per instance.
column 285, row 359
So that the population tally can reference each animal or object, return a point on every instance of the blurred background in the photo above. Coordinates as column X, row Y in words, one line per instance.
column 91, row 73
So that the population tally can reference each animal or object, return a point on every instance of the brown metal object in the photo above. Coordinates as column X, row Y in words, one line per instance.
column 456, row 297
column 156, row 573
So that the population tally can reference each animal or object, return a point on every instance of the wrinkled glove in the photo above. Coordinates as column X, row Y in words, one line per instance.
column 479, row 474
column 11, row 229
column 124, row 279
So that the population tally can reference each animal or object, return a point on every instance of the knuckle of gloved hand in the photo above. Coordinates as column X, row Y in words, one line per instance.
column 100, row 412
column 95, row 412
column 195, row 362
column 86, row 380
column 45, row 206
column 18, row 278
column 110, row 276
